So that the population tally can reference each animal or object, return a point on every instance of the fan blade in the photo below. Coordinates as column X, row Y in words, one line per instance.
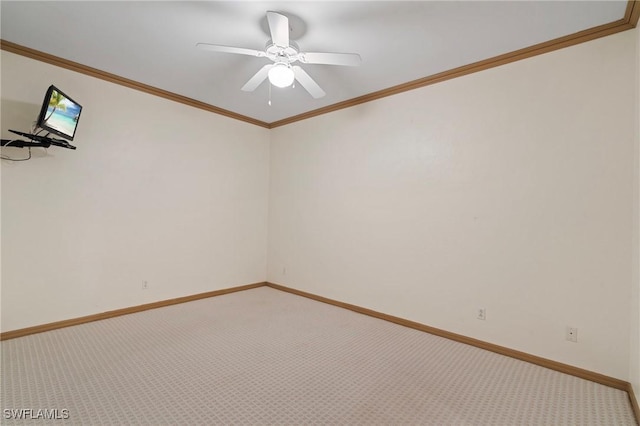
column 279, row 27
column 307, row 82
column 257, row 79
column 349, row 59
column 228, row 49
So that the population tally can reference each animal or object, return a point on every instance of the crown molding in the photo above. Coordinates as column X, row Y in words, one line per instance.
column 112, row 78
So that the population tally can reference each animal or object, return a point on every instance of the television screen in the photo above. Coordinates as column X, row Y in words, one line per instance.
column 59, row 114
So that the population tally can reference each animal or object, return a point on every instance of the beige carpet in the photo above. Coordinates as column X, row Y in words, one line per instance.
column 263, row 356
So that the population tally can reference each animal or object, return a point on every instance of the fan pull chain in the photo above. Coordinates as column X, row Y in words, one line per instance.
column 269, row 94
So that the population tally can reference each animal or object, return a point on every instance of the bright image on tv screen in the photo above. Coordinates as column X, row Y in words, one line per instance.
column 62, row 114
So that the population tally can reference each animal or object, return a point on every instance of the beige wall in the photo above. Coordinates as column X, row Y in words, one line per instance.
column 156, row 191
column 509, row 189
column 634, row 357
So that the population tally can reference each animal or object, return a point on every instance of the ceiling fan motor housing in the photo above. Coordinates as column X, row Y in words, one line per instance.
column 279, row 54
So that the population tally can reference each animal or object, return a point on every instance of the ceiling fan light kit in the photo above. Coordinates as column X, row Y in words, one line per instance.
column 281, row 75
column 283, row 53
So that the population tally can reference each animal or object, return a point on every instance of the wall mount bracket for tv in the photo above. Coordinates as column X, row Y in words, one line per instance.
column 37, row 141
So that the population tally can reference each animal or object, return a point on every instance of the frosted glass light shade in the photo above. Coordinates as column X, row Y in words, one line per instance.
column 281, row 75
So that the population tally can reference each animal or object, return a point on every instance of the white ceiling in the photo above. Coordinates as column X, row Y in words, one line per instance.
column 154, row 42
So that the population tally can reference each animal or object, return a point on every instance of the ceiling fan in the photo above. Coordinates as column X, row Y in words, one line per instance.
column 284, row 53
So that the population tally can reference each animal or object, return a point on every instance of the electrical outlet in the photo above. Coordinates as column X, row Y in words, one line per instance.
column 572, row 334
column 482, row 314
column 145, row 284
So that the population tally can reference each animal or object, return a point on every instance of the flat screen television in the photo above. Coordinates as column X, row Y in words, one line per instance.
column 59, row 114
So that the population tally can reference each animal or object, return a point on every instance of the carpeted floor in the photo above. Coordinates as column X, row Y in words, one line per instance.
column 263, row 356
